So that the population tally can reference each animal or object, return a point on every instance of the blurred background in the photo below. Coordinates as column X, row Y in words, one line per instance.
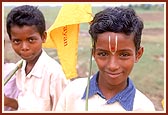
column 148, row 75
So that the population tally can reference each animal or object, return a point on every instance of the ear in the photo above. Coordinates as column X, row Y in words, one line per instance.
column 139, row 54
column 44, row 37
column 93, row 52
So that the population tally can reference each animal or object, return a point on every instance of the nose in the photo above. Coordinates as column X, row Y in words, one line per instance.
column 24, row 46
column 113, row 63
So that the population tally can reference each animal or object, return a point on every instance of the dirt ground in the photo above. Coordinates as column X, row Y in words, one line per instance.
column 154, row 31
column 155, row 16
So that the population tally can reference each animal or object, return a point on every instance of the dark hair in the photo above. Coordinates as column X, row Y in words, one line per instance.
column 118, row 20
column 25, row 15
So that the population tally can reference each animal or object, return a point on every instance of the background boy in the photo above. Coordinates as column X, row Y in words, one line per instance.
column 41, row 79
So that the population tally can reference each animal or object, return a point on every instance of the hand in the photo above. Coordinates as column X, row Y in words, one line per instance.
column 10, row 102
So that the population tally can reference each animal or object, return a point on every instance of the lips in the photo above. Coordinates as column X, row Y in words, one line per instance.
column 25, row 55
column 114, row 75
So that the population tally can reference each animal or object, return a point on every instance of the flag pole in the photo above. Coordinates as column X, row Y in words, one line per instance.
column 9, row 76
column 88, row 82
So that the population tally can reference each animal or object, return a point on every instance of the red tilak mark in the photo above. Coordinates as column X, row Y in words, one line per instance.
column 113, row 49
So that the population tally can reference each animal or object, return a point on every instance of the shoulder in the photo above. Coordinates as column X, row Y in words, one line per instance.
column 142, row 102
column 48, row 61
column 141, row 96
column 76, row 86
column 45, row 55
column 70, row 98
column 78, row 83
column 8, row 67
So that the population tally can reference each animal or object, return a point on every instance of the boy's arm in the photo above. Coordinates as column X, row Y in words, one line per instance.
column 10, row 102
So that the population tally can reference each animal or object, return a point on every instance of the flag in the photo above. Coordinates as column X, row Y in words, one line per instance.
column 63, row 35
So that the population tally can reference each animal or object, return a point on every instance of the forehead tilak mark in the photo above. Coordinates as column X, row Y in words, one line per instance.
column 113, row 49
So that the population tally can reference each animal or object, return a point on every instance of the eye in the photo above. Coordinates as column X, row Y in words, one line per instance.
column 102, row 54
column 16, row 41
column 124, row 54
column 31, row 40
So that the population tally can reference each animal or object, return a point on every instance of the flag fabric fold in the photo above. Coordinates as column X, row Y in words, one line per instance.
column 63, row 35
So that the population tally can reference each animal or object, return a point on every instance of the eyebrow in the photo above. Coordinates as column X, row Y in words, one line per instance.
column 102, row 50
column 99, row 49
column 119, row 50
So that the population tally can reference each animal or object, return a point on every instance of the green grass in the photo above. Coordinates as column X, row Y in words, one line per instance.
column 154, row 24
column 50, row 14
column 148, row 74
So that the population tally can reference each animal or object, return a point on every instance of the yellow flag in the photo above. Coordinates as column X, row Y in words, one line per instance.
column 162, row 103
column 63, row 35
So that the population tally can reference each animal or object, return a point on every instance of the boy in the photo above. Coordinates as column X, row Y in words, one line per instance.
column 116, row 35
column 41, row 79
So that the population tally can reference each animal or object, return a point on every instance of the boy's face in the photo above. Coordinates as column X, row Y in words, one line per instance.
column 115, row 57
column 27, row 42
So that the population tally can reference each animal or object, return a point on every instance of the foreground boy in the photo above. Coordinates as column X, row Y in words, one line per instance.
column 116, row 35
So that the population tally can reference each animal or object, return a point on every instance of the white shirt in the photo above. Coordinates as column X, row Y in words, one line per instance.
column 42, row 87
column 70, row 100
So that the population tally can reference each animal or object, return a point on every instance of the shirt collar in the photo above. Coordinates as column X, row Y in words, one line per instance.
column 35, row 70
column 125, row 97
